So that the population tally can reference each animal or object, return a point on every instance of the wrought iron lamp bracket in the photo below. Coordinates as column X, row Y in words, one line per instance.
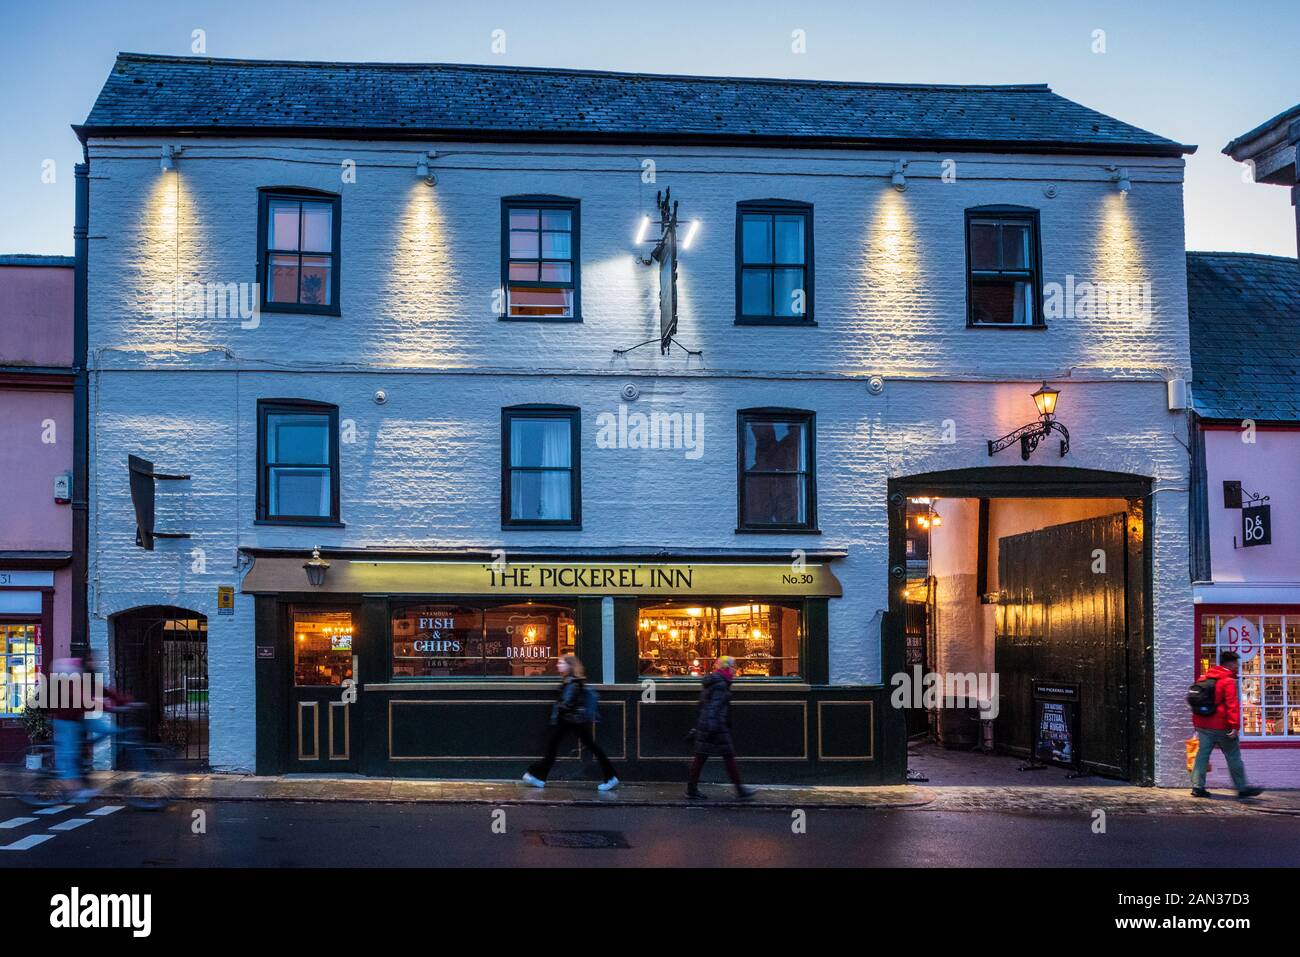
column 1029, row 436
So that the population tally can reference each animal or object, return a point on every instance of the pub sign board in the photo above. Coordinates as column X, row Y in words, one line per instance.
column 1056, row 723
column 1256, row 525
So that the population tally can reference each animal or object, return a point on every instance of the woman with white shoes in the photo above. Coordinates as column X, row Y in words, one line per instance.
column 574, row 710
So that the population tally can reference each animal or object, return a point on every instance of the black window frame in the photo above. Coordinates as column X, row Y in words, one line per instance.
column 265, row 195
column 771, row 414
column 573, row 415
column 775, row 207
column 1017, row 214
column 574, row 206
column 269, row 407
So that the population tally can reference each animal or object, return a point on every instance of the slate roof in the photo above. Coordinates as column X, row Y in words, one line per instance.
column 146, row 92
column 1244, row 312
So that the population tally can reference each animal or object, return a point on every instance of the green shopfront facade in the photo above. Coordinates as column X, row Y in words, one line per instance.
column 419, row 666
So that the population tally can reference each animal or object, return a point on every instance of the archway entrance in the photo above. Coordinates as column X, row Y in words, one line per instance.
column 1032, row 587
column 160, row 658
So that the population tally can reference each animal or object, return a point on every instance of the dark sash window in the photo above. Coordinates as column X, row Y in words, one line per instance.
column 776, row 476
column 298, row 255
column 540, row 258
column 540, row 476
column 298, row 475
column 1003, row 277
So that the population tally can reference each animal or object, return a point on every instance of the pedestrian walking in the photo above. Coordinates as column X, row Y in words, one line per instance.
column 574, row 711
column 712, row 732
column 1216, row 715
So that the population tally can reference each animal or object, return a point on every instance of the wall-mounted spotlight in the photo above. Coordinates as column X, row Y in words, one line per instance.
column 691, row 230
column 422, row 168
column 898, row 179
column 167, row 159
column 1119, row 176
column 643, row 230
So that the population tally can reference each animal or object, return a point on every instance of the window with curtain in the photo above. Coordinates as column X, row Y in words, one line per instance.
column 298, row 251
column 540, row 258
column 776, row 477
column 1002, row 278
column 540, row 477
column 298, row 475
column 773, row 262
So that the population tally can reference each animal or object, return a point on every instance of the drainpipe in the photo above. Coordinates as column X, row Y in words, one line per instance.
column 80, row 417
column 1294, row 137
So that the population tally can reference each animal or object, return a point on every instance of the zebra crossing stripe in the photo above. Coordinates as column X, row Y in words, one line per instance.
column 28, row 842
column 106, row 809
column 56, row 809
column 15, row 822
column 70, row 824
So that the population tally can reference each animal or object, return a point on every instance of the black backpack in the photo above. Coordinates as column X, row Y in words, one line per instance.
column 1200, row 697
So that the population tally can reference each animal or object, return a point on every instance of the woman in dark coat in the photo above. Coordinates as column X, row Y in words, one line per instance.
column 712, row 731
column 569, row 713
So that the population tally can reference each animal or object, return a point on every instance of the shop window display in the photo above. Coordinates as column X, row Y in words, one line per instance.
column 682, row 640
column 20, row 650
column 1269, row 674
column 453, row 640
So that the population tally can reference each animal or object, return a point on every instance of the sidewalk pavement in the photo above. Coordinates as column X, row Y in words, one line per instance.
column 1058, row 799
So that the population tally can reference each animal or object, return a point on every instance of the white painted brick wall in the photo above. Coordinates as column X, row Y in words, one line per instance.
column 419, row 268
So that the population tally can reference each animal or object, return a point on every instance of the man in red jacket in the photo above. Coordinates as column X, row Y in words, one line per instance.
column 1220, row 729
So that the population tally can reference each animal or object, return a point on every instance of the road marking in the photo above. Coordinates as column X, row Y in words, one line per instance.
column 57, row 809
column 106, row 809
column 28, row 842
column 70, row 824
column 16, row 822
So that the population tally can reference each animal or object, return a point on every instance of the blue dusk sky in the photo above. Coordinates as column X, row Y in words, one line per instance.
column 1197, row 71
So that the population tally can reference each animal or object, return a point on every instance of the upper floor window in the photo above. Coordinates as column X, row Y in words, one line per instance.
column 1002, row 256
column 539, row 257
column 774, row 262
column 298, row 462
column 540, row 476
column 776, row 479
column 298, row 251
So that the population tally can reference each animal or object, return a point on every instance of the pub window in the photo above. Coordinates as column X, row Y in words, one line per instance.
column 298, row 462
column 1002, row 257
column 776, row 482
column 472, row 640
column 20, row 652
column 774, row 262
column 539, row 258
column 322, row 647
column 1269, row 675
column 298, row 251
column 540, row 476
column 684, row 639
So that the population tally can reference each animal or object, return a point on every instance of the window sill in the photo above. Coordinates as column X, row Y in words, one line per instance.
column 548, row 319
column 800, row 530
column 287, row 310
column 1021, row 327
column 773, row 321
column 541, row 527
column 298, row 523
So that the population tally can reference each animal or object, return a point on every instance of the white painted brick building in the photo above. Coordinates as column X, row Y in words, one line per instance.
column 419, row 267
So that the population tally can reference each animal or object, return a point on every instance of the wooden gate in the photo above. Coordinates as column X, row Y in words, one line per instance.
column 1061, row 617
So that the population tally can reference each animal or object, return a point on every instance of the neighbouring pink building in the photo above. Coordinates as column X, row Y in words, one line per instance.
column 1245, row 509
column 36, row 462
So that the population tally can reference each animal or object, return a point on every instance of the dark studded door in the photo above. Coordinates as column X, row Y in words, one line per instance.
column 1061, row 617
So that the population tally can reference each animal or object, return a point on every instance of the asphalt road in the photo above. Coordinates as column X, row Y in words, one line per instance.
column 325, row 834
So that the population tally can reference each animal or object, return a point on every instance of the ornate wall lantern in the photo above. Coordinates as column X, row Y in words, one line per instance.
column 1030, row 435
column 316, row 568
